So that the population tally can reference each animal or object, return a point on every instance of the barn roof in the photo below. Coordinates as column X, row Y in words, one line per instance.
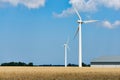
column 107, row 59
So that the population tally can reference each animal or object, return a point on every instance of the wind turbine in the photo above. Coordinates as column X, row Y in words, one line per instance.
column 79, row 31
column 65, row 48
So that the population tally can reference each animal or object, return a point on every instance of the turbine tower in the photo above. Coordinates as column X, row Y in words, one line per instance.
column 79, row 32
column 65, row 48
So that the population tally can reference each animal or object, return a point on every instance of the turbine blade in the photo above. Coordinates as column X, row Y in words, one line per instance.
column 78, row 14
column 68, row 47
column 67, row 41
column 76, row 33
column 90, row 21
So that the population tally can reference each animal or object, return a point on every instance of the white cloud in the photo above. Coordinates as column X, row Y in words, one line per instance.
column 84, row 6
column 111, row 3
column 27, row 3
column 109, row 25
column 89, row 6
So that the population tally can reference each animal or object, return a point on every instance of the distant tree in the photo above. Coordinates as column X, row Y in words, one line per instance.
column 17, row 64
column 30, row 64
column 83, row 65
column 21, row 64
column 72, row 64
column 69, row 64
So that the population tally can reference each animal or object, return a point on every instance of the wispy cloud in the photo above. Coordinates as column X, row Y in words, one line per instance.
column 89, row 6
column 64, row 13
column 109, row 25
column 27, row 3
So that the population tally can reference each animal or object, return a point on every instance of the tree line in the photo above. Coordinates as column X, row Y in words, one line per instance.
column 31, row 64
column 17, row 64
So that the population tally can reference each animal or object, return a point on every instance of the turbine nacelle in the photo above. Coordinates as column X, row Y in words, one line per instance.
column 85, row 22
column 80, row 21
column 65, row 45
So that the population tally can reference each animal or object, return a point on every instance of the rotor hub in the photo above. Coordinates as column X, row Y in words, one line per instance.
column 79, row 21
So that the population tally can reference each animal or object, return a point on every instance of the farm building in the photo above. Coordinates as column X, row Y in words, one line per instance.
column 106, row 61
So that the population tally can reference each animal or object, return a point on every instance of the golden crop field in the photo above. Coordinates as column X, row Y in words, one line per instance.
column 58, row 73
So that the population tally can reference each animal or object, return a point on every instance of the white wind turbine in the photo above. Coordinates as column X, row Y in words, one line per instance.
column 79, row 31
column 65, row 48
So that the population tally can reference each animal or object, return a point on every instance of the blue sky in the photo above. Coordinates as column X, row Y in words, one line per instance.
column 35, row 30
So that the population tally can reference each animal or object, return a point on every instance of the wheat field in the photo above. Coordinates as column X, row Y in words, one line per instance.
column 58, row 73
